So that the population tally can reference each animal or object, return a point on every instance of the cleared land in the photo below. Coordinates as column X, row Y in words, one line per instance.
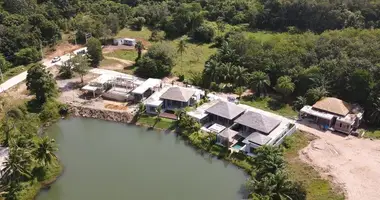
column 351, row 163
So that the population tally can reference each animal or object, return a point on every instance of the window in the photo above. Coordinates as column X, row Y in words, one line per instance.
column 340, row 125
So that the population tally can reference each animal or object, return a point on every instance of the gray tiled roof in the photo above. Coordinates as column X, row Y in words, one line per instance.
column 178, row 94
column 258, row 121
column 257, row 138
column 228, row 133
column 225, row 109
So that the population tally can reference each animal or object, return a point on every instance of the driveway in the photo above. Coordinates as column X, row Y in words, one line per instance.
column 22, row 76
column 351, row 162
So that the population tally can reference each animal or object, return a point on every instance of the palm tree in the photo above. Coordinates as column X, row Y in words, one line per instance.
column 374, row 113
column 211, row 68
column 141, row 109
column 260, row 81
column 239, row 91
column 269, row 159
column 240, row 75
column 285, row 86
column 44, row 152
column 278, row 187
column 158, row 117
column 139, row 46
column 181, row 47
column 16, row 166
column 299, row 102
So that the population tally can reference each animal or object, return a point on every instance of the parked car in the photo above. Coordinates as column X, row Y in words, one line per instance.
column 56, row 59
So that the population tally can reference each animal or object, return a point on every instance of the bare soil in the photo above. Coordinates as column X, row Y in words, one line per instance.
column 351, row 163
column 61, row 49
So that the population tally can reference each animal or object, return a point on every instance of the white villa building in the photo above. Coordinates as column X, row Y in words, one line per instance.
column 241, row 127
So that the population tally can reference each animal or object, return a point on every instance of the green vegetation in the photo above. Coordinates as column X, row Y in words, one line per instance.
column 41, row 83
column 372, row 133
column 151, row 121
column 31, row 163
column 14, row 71
column 271, row 105
column 123, row 54
column 94, row 48
column 316, row 187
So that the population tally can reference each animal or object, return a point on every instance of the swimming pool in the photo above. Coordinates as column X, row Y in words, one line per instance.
column 237, row 146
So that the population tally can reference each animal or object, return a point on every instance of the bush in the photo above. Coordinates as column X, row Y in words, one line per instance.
column 204, row 33
column 157, row 63
column 50, row 111
column 27, row 56
column 181, row 77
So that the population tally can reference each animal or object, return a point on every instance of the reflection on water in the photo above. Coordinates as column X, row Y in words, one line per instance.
column 105, row 160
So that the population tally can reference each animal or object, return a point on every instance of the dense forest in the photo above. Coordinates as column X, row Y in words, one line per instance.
column 311, row 59
column 295, row 51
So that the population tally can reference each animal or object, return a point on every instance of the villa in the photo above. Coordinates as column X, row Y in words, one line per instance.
column 335, row 114
column 171, row 98
column 241, row 127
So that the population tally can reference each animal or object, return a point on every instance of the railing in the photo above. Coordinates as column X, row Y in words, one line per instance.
column 289, row 132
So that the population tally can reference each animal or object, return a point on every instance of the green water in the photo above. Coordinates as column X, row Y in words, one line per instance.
column 112, row 161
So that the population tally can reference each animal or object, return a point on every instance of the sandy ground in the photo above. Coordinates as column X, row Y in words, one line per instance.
column 351, row 163
column 61, row 49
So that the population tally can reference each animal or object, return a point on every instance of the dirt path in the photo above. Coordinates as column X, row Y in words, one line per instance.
column 352, row 163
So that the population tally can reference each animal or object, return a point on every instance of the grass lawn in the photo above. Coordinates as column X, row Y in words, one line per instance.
column 14, row 71
column 317, row 188
column 126, row 32
column 372, row 133
column 106, row 63
column 266, row 104
column 193, row 59
column 163, row 124
column 123, row 54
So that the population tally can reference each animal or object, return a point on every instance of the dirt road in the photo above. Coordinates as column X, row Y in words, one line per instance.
column 352, row 163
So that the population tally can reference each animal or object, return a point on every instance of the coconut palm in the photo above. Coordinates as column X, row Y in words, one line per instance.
column 269, row 159
column 16, row 166
column 181, row 47
column 278, row 187
column 139, row 46
column 285, row 86
column 44, row 152
column 260, row 81
column 239, row 91
column 210, row 71
column 374, row 112
column 299, row 102
column 240, row 75
column 141, row 109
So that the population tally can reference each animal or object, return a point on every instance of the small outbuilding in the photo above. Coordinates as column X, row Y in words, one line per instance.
column 334, row 114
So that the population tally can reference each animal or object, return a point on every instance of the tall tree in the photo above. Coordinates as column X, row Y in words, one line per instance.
column 181, row 49
column 139, row 48
column 44, row 151
column 81, row 65
column 94, row 49
column 41, row 83
column 260, row 81
column 16, row 166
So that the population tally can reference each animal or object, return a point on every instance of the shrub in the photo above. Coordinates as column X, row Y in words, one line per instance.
column 50, row 111
column 204, row 33
column 27, row 56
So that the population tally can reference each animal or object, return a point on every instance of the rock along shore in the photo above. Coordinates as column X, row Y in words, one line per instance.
column 86, row 112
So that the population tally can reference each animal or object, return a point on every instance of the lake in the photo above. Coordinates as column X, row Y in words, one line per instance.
column 114, row 161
